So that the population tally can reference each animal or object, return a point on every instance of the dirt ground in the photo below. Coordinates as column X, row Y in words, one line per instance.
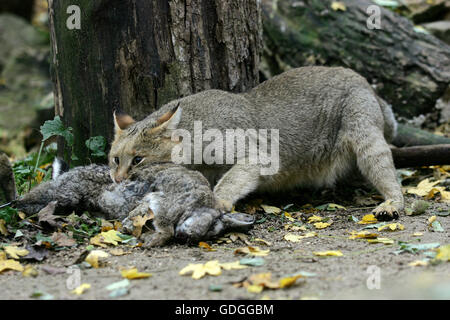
column 351, row 276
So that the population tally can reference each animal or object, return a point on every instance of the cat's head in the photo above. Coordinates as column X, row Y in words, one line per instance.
column 139, row 143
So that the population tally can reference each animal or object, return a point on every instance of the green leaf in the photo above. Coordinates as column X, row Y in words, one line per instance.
column 9, row 214
column 443, row 214
column 215, row 287
column 414, row 248
column 255, row 262
column 437, row 227
column 97, row 146
column 55, row 127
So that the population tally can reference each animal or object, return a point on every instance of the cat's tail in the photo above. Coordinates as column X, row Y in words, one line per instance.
column 390, row 124
column 59, row 166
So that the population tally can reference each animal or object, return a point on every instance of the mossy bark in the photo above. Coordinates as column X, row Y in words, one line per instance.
column 409, row 69
column 137, row 55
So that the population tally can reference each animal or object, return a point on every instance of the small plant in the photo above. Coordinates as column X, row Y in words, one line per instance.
column 97, row 146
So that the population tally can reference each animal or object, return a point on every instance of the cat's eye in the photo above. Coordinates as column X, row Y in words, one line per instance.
column 116, row 160
column 137, row 160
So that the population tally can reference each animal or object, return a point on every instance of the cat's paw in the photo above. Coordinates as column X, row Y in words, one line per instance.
column 223, row 205
column 386, row 211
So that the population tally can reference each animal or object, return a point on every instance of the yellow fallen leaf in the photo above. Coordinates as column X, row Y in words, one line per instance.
column 391, row 227
column 314, row 219
column 106, row 225
column 29, row 271
column 381, row 240
column 253, row 288
column 95, row 258
column 418, row 263
column 289, row 281
column 2, row 255
column 139, row 222
column 423, row 188
column 10, row 264
column 368, row 219
column 107, row 237
column 265, row 242
column 270, row 209
column 81, row 289
column 334, row 206
column 206, row 246
column 264, row 280
column 117, row 252
column 335, row 253
column 233, row 236
column 417, row 234
column 232, row 265
column 199, row 270
column 292, row 237
column 288, row 216
column 321, row 225
column 14, row 252
column 294, row 227
column 338, row 5
column 443, row 253
column 133, row 273
column 431, row 219
column 3, row 229
column 362, row 235
column 255, row 251
column 21, row 215
column 296, row 238
column 97, row 241
column 445, row 195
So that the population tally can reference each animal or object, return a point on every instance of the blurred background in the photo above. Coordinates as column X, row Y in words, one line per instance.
column 408, row 63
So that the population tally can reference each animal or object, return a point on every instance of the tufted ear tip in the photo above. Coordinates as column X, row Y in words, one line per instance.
column 122, row 121
column 171, row 119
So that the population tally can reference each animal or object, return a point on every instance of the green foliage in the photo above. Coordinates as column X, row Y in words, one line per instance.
column 97, row 146
column 55, row 127
column 24, row 174
column 9, row 215
column 83, row 228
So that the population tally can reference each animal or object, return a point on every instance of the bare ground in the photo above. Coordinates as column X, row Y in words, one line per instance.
column 344, row 277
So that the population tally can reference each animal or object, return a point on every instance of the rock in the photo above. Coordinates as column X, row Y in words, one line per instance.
column 24, row 78
column 440, row 29
column 421, row 11
column 15, row 34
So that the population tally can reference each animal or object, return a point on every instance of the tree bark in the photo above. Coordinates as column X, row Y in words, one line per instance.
column 410, row 70
column 138, row 55
column 421, row 156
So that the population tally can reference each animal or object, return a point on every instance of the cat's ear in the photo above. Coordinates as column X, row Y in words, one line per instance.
column 122, row 121
column 170, row 120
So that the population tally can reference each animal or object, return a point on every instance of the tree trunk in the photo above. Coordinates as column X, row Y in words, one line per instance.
column 138, row 55
column 409, row 69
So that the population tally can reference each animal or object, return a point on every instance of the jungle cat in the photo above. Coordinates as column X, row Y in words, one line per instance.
column 181, row 200
column 329, row 121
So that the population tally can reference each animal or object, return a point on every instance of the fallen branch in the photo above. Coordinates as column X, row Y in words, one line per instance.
column 410, row 136
column 418, row 156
